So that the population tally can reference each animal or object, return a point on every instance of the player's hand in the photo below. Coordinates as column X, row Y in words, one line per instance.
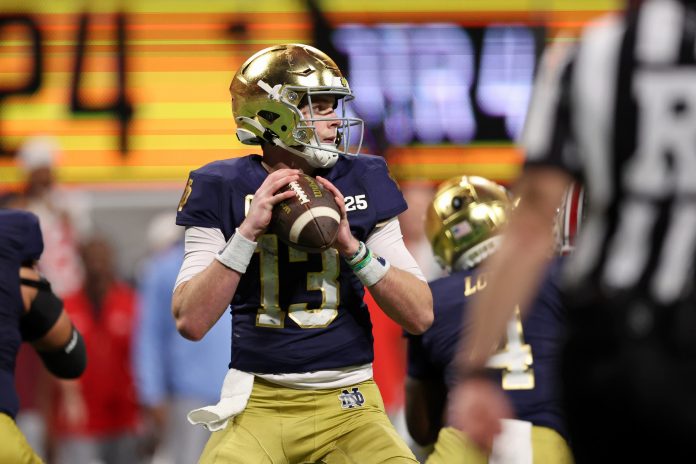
column 265, row 198
column 345, row 244
column 73, row 406
column 476, row 407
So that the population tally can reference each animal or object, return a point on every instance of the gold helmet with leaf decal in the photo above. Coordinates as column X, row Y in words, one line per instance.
column 465, row 219
column 268, row 91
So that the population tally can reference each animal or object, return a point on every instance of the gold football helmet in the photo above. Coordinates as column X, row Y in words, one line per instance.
column 268, row 91
column 464, row 220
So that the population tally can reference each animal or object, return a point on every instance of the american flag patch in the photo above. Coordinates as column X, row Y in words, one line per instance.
column 461, row 229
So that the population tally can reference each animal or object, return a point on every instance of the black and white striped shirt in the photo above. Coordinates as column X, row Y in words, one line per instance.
column 618, row 111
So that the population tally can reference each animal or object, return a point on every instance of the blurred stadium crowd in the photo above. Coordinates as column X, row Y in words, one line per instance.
column 142, row 376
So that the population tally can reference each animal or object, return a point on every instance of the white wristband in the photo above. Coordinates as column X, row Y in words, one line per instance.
column 371, row 269
column 237, row 253
column 359, row 255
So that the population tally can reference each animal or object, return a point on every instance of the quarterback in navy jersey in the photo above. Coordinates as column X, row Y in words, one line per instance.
column 300, row 385
column 463, row 225
column 29, row 312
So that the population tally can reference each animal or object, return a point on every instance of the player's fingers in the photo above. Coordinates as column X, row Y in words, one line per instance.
column 483, row 437
column 342, row 206
column 269, row 188
column 330, row 187
column 278, row 197
column 282, row 182
column 338, row 196
column 283, row 172
column 275, row 176
column 479, row 427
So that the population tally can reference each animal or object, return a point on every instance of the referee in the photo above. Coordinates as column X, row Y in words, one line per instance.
column 618, row 113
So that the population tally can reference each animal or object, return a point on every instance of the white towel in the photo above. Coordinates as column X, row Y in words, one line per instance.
column 234, row 395
column 514, row 443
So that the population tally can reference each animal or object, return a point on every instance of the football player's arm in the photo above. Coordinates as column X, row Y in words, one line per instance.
column 515, row 272
column 200, row 300
column 425, row 403
column 402, row 293
column 49, row 329
column 425, row 393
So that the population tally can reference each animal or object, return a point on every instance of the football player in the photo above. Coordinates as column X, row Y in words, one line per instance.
column 300, row 386
column 30, row 312
column 464, row 223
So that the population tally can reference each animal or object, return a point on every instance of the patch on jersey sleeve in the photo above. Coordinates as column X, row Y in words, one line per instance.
column 187, row 193
column 351, row 399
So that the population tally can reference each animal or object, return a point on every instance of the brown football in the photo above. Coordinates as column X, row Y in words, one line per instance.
column 309, row 220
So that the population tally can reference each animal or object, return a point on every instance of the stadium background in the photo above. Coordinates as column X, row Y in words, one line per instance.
column 136, row 91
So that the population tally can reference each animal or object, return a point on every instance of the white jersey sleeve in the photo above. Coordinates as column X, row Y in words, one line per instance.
column 388, row 241
column 201, row 244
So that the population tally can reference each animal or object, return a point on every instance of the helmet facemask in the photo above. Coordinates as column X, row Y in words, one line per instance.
column 318, row 153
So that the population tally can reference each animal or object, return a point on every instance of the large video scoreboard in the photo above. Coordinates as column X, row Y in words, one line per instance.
column 136, row 91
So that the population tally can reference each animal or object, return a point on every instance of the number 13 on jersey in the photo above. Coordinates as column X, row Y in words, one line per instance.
column 270, row 314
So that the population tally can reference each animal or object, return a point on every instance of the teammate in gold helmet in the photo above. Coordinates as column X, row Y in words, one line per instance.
column 465, row 224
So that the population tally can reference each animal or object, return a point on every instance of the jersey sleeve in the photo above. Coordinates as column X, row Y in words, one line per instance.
column 203, row 202
column 380, row 185
column 549, row 138
column 32, row 238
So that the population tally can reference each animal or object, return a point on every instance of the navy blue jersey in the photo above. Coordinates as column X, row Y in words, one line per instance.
column 294, row 311
column 20, row 242
column 532, row 384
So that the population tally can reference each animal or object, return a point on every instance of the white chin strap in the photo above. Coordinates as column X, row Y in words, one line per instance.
column 474, row 255
column 315, row 156
column 323, row 158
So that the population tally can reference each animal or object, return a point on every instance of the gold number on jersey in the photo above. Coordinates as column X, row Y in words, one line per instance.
column 325, row 281
column 515, row 358
column 270, row 313
column 185, row 196
column 247, row 203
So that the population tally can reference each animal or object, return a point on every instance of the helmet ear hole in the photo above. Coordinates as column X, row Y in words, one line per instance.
column 268, row 115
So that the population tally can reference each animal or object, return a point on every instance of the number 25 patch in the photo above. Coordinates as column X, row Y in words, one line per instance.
column 355, row 202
